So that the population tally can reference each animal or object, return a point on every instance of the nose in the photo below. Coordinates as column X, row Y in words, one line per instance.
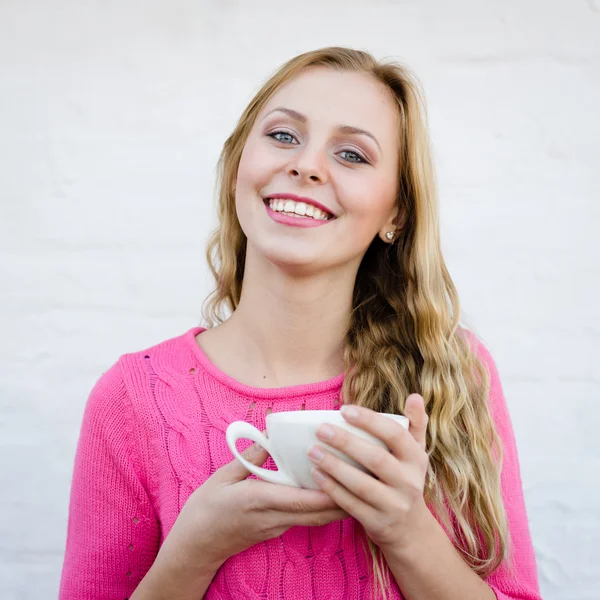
column 308, row 166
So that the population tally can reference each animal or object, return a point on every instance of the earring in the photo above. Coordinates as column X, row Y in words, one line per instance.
column 390, row 235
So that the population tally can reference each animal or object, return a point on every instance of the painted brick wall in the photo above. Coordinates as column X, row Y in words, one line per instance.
column 111, row 118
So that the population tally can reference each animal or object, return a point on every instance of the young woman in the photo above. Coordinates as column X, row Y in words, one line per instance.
column 330, row 289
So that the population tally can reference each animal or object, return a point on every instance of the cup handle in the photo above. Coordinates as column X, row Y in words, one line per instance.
column 242, row 430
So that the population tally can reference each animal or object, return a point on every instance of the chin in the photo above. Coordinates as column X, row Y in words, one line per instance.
column 289, row 260
column 293, row 263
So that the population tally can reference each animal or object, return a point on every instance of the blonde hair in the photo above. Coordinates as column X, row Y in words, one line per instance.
column 403, row 333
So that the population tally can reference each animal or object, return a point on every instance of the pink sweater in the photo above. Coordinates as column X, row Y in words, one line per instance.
column 154, row 430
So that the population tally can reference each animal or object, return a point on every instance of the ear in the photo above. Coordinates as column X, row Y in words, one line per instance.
column 394, row 225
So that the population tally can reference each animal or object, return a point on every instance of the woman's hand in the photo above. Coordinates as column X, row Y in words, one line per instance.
column 225, row 515
column 390, row 508
column 229, row 513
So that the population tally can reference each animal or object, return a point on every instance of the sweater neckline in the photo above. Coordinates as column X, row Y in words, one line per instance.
column 256, row 392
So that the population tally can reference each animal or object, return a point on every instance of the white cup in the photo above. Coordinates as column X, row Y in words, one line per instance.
column 290, row 436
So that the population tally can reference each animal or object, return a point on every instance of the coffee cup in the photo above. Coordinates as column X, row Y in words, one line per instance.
column 290, row 435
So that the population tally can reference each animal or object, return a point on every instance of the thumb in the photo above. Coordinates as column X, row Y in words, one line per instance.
column 235, row 471
column 414, row 409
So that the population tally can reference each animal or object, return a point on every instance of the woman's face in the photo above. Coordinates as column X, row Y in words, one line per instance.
column 330, row 140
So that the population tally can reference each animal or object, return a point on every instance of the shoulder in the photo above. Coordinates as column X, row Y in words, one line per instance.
column 172, row 355
column 495, row 397
column 128, row 382
column 476, row 343
column 481, row 350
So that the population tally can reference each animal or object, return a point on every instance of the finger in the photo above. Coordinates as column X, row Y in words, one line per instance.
column 236, row 471
column 362, row 486
column 414, row 409
column 377, row 460
column 345, row 499
column 313, row 519
column 396, row 437
column 289, row 499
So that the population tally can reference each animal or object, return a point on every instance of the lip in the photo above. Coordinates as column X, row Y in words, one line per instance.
column 304, row 199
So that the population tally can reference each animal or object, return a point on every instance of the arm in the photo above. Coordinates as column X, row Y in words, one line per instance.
column 113, row 533
column 175, row 576
column 434, row 569
column 517, row 580
column 391, row 507
column 431, row 568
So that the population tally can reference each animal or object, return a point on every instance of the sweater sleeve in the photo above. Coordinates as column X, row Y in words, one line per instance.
column 113, row 533
column 517, row 578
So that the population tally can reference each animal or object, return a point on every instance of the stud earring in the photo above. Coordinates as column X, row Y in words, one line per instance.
column 389, row 235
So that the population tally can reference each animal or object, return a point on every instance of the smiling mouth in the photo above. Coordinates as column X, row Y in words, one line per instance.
column 300, row 210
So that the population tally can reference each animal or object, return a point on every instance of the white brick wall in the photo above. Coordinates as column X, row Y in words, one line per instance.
column 111, row 118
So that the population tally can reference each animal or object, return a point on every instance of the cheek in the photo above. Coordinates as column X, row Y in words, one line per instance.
column 370, row 200
column 253, row 171
column 244, row 170
column 252, row 179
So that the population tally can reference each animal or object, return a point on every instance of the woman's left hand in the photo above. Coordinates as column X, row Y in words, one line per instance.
column 391, row 508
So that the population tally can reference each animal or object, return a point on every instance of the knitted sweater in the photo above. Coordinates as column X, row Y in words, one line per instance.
column 154, row 430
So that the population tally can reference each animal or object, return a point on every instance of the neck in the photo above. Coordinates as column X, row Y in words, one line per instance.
column 288, row 329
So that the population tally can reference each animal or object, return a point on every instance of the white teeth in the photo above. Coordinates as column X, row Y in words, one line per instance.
column 301, row 209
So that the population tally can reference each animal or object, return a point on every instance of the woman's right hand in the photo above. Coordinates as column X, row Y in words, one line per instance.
column 229, row 513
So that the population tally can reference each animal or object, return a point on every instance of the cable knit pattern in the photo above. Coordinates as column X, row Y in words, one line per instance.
column 154, row 430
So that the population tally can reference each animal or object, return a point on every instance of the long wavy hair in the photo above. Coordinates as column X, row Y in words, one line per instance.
column 403, row 333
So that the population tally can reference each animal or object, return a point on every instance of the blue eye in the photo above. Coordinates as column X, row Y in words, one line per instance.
column 355, row 154
column 280, row 136
column 274, row 135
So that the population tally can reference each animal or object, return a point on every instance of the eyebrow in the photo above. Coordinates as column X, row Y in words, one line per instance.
column 343, row 128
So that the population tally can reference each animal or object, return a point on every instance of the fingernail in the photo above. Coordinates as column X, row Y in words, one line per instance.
column 316, row 454
column 317, row 475
column 349, row 411
column 252, row 451
column 325, row 432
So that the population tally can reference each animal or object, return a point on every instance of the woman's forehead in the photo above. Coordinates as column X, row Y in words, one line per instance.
column 328, row 96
